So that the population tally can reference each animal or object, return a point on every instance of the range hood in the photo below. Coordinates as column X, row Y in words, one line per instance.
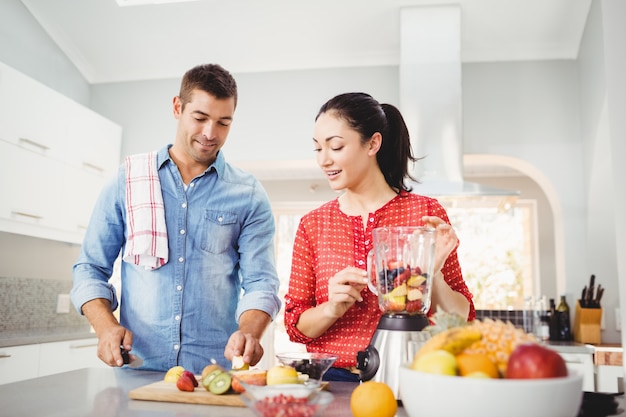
column 430, row 101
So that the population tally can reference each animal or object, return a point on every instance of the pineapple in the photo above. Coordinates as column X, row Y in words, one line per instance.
column 498, row 341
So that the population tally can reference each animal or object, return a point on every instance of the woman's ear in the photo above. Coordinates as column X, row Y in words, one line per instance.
column 375, row 143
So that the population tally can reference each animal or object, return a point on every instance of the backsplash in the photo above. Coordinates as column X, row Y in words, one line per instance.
column 28, row 303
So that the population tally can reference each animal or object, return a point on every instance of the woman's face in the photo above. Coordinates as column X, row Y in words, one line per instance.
column 340, row 153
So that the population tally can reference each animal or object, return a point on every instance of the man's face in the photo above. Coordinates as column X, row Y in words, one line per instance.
column 203, row 125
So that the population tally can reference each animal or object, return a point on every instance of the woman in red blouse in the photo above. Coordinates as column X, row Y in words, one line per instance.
column 363, row 148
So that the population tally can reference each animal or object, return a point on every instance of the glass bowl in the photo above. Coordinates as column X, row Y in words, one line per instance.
column 296, row 400
column 312, row 364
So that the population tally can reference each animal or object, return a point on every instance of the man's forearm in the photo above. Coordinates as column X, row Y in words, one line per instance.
column 254, row 322
column 99, row 314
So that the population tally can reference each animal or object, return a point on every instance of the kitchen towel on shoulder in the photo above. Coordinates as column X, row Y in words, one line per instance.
column 146, row 244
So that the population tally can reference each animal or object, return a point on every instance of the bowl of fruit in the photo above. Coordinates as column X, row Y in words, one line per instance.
column 312, row 364
column 488, row 369
column 298, row 400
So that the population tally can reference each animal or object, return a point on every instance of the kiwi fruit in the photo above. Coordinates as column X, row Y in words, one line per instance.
column 220, row 383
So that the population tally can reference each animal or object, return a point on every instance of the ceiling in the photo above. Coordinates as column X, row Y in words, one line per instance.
column 109, row 43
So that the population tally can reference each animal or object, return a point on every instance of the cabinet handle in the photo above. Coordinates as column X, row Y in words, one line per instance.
column 4, row 355
column 34, row 143
column 93, row 166
column 25, row 214
column 84, row 345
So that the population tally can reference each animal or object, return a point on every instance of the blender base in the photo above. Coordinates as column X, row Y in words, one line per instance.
column 395, row 342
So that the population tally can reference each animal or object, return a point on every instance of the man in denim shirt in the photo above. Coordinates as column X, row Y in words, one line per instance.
column 216, row 293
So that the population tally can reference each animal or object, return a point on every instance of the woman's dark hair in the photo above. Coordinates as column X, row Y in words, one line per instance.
column 367, row 116
column 211, row 78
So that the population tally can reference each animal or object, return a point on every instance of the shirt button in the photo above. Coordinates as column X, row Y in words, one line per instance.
column 371, row 219
column 176, row 347
column 361, row 262
column 220, row 219
column 182, row 231
column 191, row 184
column 184, row 205
column 181, row 259
column 179, row 288
column 177, row 318
column 367, row 242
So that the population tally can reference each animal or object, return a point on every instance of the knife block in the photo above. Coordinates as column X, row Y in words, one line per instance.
column 587, row 323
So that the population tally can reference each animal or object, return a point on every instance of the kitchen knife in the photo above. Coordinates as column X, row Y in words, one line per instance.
column 583, row 297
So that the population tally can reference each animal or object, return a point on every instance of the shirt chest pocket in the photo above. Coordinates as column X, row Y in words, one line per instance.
column 221, row 231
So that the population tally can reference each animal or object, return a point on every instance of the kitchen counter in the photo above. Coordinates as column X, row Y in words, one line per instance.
column 104, row 393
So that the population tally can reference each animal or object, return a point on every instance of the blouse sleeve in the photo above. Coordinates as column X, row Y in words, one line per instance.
column 301, row 292
column 452, row 269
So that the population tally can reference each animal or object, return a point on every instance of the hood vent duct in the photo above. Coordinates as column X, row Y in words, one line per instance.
column 430, row 101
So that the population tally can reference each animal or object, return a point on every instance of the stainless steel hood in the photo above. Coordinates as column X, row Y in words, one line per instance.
column 430, row 101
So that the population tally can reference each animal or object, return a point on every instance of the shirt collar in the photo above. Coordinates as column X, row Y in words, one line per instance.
column 163, row 156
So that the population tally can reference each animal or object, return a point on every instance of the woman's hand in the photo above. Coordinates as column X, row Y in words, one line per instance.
column 445, row 242
column 344, row 289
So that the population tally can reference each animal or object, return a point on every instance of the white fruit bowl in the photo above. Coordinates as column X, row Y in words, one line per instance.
column 428, row 395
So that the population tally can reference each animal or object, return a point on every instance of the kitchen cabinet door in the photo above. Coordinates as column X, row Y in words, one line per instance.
column 81, row 189
column 18, row 363
column 97, row 141
column 31, row 114
column 28, row 181
column 56, row 357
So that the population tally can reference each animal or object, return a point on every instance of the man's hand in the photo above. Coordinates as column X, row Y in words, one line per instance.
column 246, row 341
column 111, row 335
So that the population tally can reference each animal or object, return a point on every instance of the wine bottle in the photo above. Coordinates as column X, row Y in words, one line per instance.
column 562, row 312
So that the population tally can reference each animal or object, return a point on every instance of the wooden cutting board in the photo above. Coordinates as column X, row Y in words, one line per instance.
column 167, row 392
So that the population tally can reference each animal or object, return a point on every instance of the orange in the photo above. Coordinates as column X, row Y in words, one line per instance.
column 471, row 363
column 373, row 399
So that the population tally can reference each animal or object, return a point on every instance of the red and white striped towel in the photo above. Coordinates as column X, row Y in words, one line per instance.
column 145, row 213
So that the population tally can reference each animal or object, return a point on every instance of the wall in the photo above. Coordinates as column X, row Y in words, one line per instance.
column 602, row 163
column 613, row 14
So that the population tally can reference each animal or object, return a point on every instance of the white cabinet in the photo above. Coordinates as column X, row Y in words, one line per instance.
column 56, row 357
column 18, row 363
column 55, row 156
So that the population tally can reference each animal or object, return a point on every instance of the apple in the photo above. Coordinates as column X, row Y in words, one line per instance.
column 250, row 377
column 281, row 374
column 173, row 374
column 532, row 361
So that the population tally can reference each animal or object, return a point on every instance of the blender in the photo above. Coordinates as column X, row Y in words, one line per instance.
column 400, row 270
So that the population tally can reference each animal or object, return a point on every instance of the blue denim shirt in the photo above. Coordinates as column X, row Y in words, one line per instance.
column 221, row 263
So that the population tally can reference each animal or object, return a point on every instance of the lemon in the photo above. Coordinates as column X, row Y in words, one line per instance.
column 438, row 361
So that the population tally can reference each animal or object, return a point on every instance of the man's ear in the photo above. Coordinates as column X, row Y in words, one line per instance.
column 177, row 107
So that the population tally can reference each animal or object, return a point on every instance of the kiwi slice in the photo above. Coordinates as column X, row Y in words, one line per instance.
column 220, row 383
column 206, row 381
